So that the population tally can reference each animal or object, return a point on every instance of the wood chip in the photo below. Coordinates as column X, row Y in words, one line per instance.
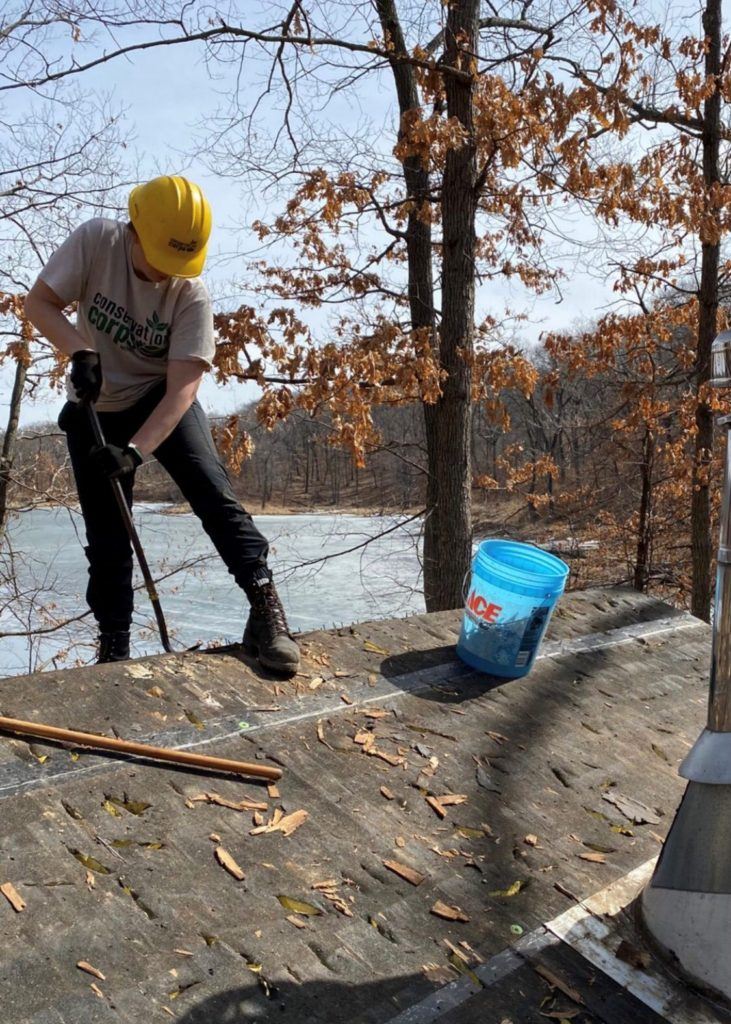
column 450, row 799
column 556, row 981
column 405, row 872
column 226, row 861
column 389, row 795
column 296, row 921
column 219, row 801
column 400, row 842
column 321, row 734
column 84, row 965
column 345, row 698
column 595, row 858
column 183, row 952
column 377, row 713
column 13, row 897
column 530, row 840
column 315, row 682
column 96, row 990
column 393, row 759
column 273, row 791
column 90, row 880
column 448, row 913
column 286, row 824
column 436, row 806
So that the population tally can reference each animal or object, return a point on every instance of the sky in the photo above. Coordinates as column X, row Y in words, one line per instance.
column 166, row 95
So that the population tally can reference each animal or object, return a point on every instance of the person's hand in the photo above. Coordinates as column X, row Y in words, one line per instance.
column 86, row 375
column 115, row 462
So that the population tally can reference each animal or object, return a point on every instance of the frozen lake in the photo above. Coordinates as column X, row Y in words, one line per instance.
column 202, row 604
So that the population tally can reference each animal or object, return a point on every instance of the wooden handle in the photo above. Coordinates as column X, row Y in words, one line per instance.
column 94, row 742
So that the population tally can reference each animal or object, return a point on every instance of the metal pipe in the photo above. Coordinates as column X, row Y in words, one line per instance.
column 719, row 703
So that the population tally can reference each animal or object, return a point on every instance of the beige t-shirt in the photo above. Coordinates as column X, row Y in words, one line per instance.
column 136, row 326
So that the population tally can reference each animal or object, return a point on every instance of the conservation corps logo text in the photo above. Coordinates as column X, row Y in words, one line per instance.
column 149, row 339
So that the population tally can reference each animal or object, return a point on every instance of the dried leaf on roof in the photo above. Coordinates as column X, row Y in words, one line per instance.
column 90, row 863
column 295, row 906
column 512, row 890
column 368, row 645
column 136, row 807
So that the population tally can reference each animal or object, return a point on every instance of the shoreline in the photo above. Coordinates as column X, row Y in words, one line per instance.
column 178, row 509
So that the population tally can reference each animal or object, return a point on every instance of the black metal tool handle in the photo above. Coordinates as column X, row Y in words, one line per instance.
column 96, row 429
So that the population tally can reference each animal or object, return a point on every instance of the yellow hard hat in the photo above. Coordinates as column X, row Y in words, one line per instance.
column 172, row 219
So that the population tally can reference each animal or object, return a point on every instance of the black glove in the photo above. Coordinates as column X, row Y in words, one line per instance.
column 115, row 462
column 86, row 375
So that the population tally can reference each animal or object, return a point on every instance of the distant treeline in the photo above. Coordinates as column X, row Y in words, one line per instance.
column 295, row 466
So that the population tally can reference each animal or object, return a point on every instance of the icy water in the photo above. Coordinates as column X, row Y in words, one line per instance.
column 202, row 603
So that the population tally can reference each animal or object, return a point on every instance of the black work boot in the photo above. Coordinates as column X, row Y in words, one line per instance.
column 113, row 647
column 267, row 633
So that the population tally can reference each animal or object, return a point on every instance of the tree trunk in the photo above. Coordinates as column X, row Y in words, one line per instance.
column 700, row 512
column 10, row 440
column 448, row 528
column 420, row 278
column 641, row 574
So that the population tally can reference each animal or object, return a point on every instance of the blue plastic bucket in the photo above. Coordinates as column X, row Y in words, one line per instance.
column 512, row 593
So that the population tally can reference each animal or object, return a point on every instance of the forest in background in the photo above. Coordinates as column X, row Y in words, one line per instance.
column 573, row 465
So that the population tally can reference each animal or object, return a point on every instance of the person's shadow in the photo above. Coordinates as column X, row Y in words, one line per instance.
column 312, row 1002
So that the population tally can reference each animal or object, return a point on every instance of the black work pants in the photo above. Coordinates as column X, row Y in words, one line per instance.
column 190, row 457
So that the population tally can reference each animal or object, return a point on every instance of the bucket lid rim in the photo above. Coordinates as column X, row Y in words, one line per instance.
column 555, row 567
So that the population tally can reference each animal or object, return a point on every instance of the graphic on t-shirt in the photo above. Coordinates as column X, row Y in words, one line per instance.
column 149, row 339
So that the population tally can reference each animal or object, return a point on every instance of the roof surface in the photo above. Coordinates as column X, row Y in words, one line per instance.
column 382, row 720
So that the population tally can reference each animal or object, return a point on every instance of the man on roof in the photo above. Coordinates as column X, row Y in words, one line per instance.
column 142, row 340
